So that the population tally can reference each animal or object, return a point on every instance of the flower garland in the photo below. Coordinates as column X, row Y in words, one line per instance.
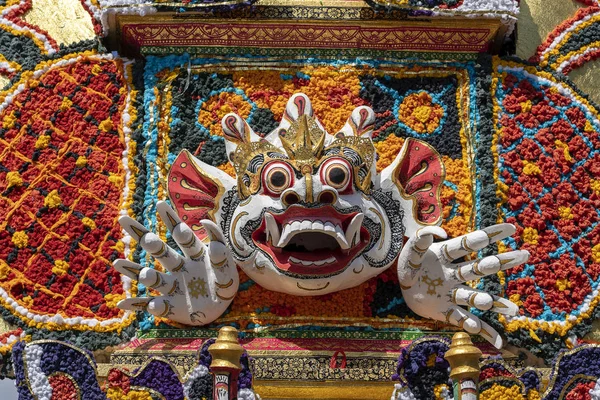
column 546, row 152
column 422, row 368
column 53, row 370
column 439, row 97
column 573, row 43
column 508, row 10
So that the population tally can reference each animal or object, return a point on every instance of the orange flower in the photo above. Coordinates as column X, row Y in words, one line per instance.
column 420, row 113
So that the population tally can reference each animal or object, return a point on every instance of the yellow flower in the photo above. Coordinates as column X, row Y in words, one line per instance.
column 119, row 246
column 116, row 393
column 106, row 125
column 27, row 300
column 500, row 392
column 81, row 161
column 42, row 142
column 438, row 389
column 596, row 253
column 565, row 147
column 13, row 178
column 227, row 168
column 52, row 200
column 20, row 239
column 562, row 284
column 115, row 179
column 526, row 106
column 530, row 168
column 4, row 270
column 530, row 235
column 88, row 222
column 595, row 185
column 60, row 267
column 565, row 212
column 112, row 299
column 66, row 104
column 516, row 298
column 9, row 120
column 420, row 113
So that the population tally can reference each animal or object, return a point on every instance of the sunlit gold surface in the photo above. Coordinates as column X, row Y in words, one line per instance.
column 537, row 19
column 323, row 390
column 587, row 78
column 66, row 21
column 463, row 357
column 6, row 327
column 226, row 351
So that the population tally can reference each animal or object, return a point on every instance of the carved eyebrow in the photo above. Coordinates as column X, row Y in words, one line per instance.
column 273, row 154
column 255, row 163
column 352, row 156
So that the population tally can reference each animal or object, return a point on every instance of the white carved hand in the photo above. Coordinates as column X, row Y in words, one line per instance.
column 432, row 282
column 201, row 283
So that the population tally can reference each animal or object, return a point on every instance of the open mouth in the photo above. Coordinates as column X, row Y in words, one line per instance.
column 316, row 241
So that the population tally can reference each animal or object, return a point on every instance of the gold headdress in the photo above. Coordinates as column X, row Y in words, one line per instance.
column 302, row 142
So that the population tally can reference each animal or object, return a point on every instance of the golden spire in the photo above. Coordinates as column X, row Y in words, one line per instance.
column 226, row 350
column 463, row 357
column 304, row 140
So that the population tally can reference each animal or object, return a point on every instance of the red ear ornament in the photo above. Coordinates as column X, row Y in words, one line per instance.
column 419, row 176
column 193, row 192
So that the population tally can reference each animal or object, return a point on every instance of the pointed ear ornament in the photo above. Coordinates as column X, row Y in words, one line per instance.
column 416, row 177
column 196, row 190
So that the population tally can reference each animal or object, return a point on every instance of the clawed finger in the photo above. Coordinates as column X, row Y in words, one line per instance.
column 213, row 231
column 470, row 323
column 467, row 296
column 158, row 306
column 150, row 242
column 149, row 277
column 490, row 265
column 187, row 241
column 167, row 215
column 423, row 239
column 475, row 241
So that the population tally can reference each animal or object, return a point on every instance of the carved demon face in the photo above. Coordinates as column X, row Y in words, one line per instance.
column 307, row 213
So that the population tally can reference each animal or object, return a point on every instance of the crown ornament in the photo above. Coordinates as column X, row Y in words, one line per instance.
column 302, row 141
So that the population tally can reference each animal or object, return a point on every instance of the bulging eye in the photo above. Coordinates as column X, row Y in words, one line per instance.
column 277, row 177
column 336, row 173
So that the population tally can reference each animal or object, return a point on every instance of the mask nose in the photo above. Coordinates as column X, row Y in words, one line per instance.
column 290, row 197
column 323, row 195
column 328, row 195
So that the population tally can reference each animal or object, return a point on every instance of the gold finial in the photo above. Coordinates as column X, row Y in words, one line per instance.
column 304, row 140
column 463, row 357
column 226, row 351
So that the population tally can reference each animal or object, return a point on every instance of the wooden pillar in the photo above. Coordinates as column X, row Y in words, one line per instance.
column 464, row 357
column 225, row 366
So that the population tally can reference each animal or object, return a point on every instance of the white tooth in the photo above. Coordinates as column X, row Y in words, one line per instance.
column 296, row 225
column 286, row 235
column 306, row 225
column 339, row 234
column 329, row 227
column 306, row 263
column 353, row 231
column 330, row 260
column 320, row 262
column 318, row 226
column 272, row 228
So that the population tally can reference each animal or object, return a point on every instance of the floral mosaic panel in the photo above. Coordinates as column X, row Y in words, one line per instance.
column 432, row 102
column 65, row 174
column 547, row 145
